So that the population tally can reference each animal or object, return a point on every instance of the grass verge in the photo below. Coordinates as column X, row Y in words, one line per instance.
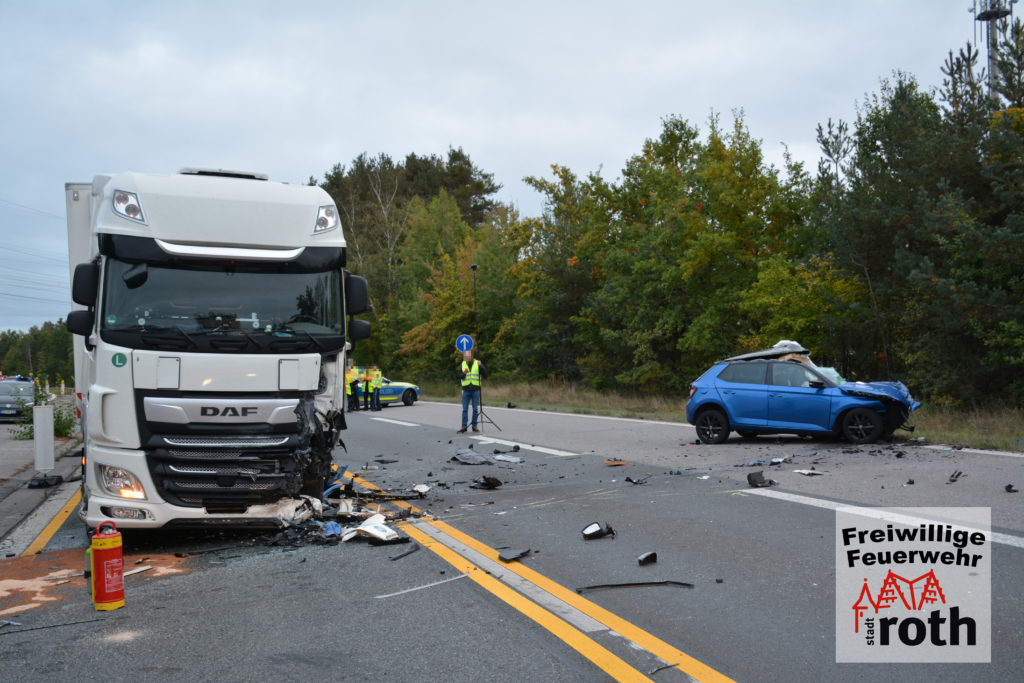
column 994, row 428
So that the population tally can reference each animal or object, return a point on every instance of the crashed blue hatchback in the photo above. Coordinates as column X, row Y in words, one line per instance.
column 780, row 391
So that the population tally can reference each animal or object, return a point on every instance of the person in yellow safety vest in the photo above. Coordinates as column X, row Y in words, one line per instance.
column 352, row 387
column 366, row 379
column 471, row 372
column 376, row 382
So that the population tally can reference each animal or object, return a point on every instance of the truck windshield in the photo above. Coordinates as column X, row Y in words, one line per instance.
column 256, row 303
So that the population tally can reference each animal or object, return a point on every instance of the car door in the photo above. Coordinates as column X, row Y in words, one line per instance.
column 792, row 402
column 744, row 393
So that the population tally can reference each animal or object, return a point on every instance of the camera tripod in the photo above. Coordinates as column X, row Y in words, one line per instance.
column 484, row 417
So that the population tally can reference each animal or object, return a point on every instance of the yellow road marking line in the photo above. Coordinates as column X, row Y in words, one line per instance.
column 657, row 647
column 58, row 520
column 603, row 658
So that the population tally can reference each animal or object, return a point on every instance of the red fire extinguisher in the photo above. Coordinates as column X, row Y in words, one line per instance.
column 107, row 568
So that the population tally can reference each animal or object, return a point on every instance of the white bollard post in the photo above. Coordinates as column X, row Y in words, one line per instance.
column 42, row 430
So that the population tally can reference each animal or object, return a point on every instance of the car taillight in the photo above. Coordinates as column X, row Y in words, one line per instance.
column 692, row 390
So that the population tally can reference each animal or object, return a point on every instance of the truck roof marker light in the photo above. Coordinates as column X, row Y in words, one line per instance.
column 127, row 205
column 326, row 219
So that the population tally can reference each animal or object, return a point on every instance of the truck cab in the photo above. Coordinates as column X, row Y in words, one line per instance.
column 212, row 322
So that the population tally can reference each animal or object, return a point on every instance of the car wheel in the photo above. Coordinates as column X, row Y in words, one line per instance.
column 408, row 397
column 712, row 426
column 747, row 433
column 862, row 425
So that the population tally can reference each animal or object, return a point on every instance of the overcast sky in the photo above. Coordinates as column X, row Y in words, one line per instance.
column 291, row 88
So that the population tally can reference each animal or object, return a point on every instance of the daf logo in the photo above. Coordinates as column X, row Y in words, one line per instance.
column 228, row 411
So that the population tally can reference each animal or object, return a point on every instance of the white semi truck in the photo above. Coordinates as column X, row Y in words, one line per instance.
column 212, row 321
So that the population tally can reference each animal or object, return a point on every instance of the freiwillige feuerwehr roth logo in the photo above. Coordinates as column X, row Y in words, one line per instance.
column 913, row 584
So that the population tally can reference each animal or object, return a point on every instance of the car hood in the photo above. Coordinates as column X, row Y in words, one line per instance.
column 883, row 391
column 402, row 384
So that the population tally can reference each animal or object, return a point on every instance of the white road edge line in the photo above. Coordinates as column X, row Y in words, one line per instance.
column 589, row 417
column 395, row 422
column 523, row 446
column 949, row 449
column 874, row 513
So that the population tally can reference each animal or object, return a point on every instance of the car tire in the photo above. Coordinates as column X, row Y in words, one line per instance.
column 862, row 425
column 747, row 433
column 408, row 397
column 712, row 426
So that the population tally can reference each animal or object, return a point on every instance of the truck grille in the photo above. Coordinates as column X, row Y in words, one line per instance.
column 220, row 471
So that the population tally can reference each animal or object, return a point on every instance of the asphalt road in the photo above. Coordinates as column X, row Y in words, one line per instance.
column 761, row 564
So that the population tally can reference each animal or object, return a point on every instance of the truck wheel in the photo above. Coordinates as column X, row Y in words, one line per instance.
column 862, row 425
column 408, row 397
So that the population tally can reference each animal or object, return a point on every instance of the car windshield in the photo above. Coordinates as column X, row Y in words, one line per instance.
column 222, row 300
column 831, row 375
column 17, row 390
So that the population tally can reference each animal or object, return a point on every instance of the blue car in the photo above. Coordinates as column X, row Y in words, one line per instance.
column 762, row 393
column 393, row 392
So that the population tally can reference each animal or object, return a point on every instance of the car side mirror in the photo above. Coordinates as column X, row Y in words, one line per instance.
column 85, row 284
column 357, row 296
column 817, row 384
column 80, row 322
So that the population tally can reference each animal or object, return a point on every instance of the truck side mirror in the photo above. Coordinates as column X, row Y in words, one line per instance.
column 80, row 322
column 357, row 297
column 358, row 329
column 85, row 284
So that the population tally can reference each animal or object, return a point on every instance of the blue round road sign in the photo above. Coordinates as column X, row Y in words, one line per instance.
column 464, row 343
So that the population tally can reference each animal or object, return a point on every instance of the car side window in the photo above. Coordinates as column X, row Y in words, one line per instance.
column 744, row 373
column 791, row 375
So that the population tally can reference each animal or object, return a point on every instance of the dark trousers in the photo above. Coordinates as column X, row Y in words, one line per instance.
column 353, row 396
column 367, row 395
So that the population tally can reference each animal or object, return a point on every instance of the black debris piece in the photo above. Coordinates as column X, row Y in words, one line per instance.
column 410, row 551
column 384, row 461
column 642, row 480
column 372, row 540
column 510, row 404
column 636, row 584
column 910, row 482
column 1010, row 489
column 45, row 481
column 595, row 530
column 757, row 480
column 674, row 472
column 956, row 476
column 486, row 483
column 512, row 554
column 647, row 558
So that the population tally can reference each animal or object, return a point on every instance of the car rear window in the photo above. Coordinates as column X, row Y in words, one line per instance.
column 744, row 373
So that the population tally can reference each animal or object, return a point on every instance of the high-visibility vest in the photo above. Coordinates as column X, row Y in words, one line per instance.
column 377, row 378
column 472, row 374
column 350, row 376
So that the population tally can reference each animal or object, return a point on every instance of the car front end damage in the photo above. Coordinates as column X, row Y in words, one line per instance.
column 894, row 396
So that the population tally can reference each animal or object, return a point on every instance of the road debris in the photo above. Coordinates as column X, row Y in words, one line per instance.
column 956, row 476
column 642, row 480
column 910, row 482
column 467, row 456
column 421, row 488
column 408, row 552
column 662, row 668
column 486, row 483
column 647, row 558
column 615, row 462
column 1010, row 489
column 419, row 588
column 508, row 458
column 513, row 554
column 635, row 584
column 809, row 473
column 139, row 570
column 514, row 449
column 756, row 480
column 594, row 531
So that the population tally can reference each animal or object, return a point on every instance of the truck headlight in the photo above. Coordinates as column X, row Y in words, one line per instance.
column 127, row 204
column 326, row 219
column 120, row 482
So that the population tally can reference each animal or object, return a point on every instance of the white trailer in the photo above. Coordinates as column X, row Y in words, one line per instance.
column 212, row 323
